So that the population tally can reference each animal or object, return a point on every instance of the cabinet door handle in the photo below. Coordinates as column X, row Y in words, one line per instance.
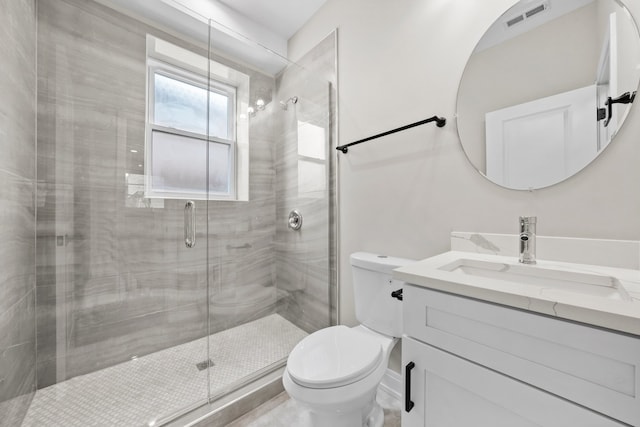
column 408, row 404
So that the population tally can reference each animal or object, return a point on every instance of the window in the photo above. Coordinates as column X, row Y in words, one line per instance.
column 179, row 130
column 188, row 115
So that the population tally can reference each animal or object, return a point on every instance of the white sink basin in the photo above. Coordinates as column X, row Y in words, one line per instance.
column 597, row 295
column 548, row 280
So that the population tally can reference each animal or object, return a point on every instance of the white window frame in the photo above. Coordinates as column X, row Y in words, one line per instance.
column 158, row 67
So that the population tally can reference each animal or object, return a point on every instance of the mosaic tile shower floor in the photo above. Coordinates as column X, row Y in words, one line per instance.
column 138, row 392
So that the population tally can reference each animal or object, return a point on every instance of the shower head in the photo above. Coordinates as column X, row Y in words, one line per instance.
column 285, row 104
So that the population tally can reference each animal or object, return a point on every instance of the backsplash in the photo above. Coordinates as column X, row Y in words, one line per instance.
column 605, row 252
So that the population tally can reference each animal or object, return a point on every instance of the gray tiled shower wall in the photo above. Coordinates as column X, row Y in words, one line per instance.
column 17, row 211
column 305, row 259
column 114, row 278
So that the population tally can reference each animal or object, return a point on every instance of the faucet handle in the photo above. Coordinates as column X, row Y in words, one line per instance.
column 528, row 220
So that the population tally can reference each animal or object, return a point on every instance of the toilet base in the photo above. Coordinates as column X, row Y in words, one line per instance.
column 376, row 418
column 372, row 416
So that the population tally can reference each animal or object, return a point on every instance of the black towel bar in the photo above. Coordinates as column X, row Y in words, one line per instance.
column 440, row 122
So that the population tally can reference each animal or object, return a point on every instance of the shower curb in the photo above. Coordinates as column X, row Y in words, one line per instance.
column 219, row 414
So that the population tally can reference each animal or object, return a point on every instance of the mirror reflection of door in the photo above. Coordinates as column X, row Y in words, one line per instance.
column 607, row 81
column 539, row 143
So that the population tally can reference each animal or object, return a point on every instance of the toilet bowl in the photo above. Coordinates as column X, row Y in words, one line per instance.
column 335, row 372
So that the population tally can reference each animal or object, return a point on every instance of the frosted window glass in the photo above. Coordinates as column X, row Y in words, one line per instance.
column 219, row 161
column 179, row 165
column 183, row 106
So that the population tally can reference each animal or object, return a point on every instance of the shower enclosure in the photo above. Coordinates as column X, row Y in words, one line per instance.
column 148, row 263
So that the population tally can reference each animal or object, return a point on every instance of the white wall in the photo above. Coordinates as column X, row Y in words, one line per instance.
column 400, row 61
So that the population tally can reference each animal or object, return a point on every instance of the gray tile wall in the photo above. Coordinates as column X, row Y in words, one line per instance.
column 17, row 209
column 305, row 259
column 116, row 281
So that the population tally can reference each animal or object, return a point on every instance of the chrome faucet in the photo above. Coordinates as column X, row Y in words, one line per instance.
column 528, row 239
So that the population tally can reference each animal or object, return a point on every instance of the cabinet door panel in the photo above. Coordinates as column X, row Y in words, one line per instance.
column 452, row 392
column 412, row 351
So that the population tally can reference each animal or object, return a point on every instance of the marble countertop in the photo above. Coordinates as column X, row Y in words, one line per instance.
column 617, row 314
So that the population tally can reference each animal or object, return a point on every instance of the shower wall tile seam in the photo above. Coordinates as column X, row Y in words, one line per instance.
column 15, row 174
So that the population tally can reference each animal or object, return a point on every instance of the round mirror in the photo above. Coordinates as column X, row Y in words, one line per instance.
column 546, row 90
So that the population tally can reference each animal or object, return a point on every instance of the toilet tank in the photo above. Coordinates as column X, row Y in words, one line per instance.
column 372, row 287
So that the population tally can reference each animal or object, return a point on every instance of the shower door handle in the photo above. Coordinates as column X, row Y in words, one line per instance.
column 190, row 224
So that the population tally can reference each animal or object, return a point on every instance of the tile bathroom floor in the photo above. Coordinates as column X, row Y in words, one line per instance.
column 282, row 411
column 145, row 390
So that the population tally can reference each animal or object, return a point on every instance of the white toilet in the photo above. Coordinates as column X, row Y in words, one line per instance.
column 335, row 372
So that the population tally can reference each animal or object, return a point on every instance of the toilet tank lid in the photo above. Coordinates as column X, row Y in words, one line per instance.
column 377, row 262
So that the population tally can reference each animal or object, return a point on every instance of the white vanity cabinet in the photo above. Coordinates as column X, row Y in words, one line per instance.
column 472, row 363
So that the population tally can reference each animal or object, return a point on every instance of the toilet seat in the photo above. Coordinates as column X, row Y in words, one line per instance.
column 333, row 357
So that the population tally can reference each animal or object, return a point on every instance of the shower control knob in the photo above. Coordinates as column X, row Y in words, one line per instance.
column 295, row 220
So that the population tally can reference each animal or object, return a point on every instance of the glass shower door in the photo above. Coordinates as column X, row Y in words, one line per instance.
column 121, row 300
column 269, row 285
